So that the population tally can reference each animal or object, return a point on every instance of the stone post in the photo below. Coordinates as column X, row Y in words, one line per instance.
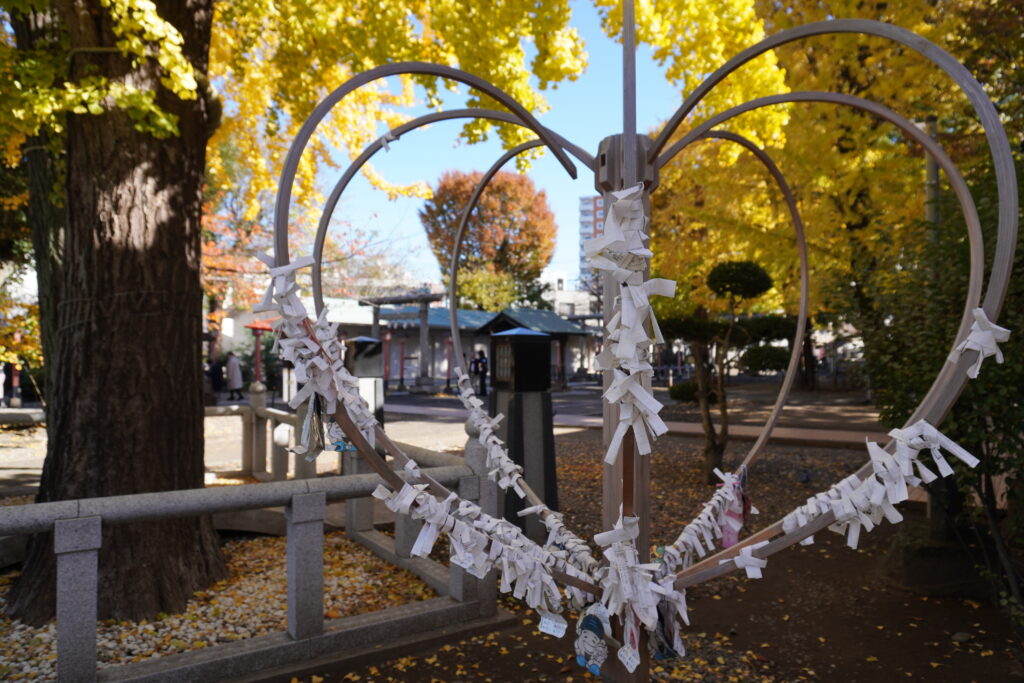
column 247, row 446
column 305, row 518
column 258, row 401
column 76, row 542
column 487, row 499
column 358, row 511
column 301, row 468
column 282, row 435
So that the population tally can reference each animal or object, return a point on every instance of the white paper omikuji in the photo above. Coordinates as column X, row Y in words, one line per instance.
column 479, row 542
column 862, row 504
column 508, row 475
column 620, row 252
column 984, row 338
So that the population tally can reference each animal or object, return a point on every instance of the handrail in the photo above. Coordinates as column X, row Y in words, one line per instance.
column 279, row 415
column 142, row 507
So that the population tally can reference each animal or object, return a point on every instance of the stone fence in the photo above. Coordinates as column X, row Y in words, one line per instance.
column 77, row 524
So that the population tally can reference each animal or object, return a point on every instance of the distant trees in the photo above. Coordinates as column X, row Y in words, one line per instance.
column 710, row 338
column 509, row 239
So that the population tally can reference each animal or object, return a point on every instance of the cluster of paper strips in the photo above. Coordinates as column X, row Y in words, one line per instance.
column 621, row 253
column 721, row 518
column 984, row 338
column 315, row 353
column 480, row 542
column 508, row 475
column 640, row 594
column 858, row 504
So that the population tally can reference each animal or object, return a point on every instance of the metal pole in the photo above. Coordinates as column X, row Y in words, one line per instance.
column 448, row 364
column 425, row 351
column 629, row 170
column 387, row 358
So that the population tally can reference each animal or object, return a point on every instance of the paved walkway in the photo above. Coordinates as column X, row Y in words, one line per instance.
column 437, row 423
column 792, row 435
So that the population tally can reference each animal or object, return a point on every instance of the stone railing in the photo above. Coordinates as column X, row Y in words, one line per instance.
column 76, row 526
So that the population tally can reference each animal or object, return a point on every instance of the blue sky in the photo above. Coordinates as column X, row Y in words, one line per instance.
column 584, row 111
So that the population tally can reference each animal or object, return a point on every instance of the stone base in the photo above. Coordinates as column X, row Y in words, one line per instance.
column 345, row 643
column 423, row 385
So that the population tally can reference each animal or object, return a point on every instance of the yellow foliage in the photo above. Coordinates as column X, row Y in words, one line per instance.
column 858, row 184
column 19, row 333
column 692, row 38
column 274, row 61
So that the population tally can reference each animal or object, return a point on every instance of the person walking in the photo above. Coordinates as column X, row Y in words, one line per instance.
column 480, row 370
column 234, row 367
column 3, row 379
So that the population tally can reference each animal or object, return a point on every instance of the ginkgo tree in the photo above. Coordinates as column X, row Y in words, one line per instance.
column 113, row 116
column 859, row 185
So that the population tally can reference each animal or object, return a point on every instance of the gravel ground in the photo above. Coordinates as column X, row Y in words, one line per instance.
column 250, row 602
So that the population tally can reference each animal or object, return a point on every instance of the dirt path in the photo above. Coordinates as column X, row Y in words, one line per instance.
column 823, row 612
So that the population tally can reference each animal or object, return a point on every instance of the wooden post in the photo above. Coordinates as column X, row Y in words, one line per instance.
column 630, row 476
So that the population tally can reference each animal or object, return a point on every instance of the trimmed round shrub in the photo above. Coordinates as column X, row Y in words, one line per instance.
column 686, row 392
column 759, row 360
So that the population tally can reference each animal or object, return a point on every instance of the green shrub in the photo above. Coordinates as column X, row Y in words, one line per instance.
column 763, row 359
column 686, row 392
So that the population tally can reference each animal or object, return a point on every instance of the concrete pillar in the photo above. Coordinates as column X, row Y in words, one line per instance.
column 281, row 434
column 358, row 511
column 305, row 518
column 424, row 382
column 406, row 531
column 258, row 401
column 76, row 542
column 487, row 499
column 247, row 445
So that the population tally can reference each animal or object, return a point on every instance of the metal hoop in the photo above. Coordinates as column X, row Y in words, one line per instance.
column 291, row 164
column 951, row 378
column 801, row 325
column 375, row 146
column 453, row 267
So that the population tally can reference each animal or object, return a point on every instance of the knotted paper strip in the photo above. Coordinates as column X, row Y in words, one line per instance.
column 984, row 338
column 620, row 252
column 479, row 542
column 858, row 504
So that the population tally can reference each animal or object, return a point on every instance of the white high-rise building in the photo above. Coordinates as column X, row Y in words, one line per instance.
column 591, row 225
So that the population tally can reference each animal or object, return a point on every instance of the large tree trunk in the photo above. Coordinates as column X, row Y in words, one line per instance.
column 39, row 30
column 126, row 407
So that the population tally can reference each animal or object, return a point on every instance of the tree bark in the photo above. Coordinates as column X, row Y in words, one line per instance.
column 39, row 30
column 713, row 447
column 126, row 406
column 809, row 364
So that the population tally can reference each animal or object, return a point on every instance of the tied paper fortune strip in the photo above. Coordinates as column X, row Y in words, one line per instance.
column 721, row 518
column 984, row 338
column 480, row 543
column 317, row 356
column 620, row 252
column 315, row 352
column 631, row 590
column 863, row 504
column 561, row 542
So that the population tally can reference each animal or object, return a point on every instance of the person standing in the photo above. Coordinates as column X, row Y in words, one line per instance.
column 234, row 367
column 3, row 379
column 480, row 370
